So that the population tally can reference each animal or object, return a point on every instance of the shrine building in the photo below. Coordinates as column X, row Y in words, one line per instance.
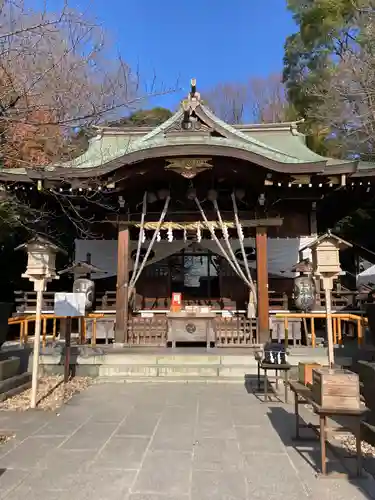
column 217, row 213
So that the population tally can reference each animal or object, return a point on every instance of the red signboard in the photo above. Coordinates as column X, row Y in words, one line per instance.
column 176, row 302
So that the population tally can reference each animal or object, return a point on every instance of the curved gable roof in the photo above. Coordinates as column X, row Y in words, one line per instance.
column 279, row 147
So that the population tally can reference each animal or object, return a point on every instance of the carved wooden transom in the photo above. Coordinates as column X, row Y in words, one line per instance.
column 188, row 167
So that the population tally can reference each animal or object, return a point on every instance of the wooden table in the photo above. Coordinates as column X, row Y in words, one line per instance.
column 278, row 368
column 303, row 395
column 192, row 327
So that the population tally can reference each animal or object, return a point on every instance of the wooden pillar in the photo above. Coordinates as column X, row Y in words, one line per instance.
column 262, row 282
column 122, row 288
column 313, row 220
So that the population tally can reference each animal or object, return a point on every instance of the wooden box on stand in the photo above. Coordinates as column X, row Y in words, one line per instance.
column 336, row 389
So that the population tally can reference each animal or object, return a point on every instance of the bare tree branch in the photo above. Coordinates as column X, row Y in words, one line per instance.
column 258, row 100
column 57, row 78
column 346, row 100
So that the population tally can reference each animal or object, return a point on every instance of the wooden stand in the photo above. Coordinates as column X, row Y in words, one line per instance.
column 337, row 389
column 303, row 395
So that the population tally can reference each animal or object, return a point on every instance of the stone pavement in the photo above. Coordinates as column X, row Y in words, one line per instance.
column 168, row 441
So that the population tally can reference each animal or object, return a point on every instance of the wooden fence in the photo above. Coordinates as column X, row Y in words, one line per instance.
column 231, row 331
column 236, row 331
column 106, row 301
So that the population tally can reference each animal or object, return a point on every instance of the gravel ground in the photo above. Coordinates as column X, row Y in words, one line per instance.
column 4, row 438
column 349, row 443
column 52, row 393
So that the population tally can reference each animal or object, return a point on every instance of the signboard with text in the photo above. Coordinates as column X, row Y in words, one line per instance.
column 70, row 304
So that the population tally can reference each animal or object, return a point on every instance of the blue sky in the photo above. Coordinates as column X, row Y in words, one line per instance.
column 211, row 40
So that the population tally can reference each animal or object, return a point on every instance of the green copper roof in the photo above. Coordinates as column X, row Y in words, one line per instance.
column 279, row 143
column 284, row 148
column 285, row 141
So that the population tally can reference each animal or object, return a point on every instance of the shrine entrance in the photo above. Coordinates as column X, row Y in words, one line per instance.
column 193, row 271
column 195, row 275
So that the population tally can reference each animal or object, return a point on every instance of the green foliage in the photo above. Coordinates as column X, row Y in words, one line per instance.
column 326, row 29
column 148, row 117
column 329, row 74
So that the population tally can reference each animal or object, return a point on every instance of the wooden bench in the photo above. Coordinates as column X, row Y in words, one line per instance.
column 303, row 395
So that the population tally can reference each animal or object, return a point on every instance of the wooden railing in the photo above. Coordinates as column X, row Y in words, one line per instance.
column 106, row 301
column 26, row 301
column 51, row 327
column 355, row 323
column 230, row 331
column 236, row 331
column 148, row 331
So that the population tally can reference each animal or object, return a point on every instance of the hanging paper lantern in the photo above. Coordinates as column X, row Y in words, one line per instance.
column 240, row 194
column 162, row 194
column 304, row 293
column 212, row 195
column 170, row 234
column 151, row 197
column 191, row 194
column 158, row 236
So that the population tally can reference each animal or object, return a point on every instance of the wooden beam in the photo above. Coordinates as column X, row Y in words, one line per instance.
column 247, row 219
column 262, row 284
column 122, row 288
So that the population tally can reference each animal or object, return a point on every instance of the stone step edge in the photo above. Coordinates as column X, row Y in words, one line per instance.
column 177, row 372
column 183, row 366
column 158, row 380
column 179, row 369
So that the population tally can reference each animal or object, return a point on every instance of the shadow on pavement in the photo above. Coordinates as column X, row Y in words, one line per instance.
column 308, row 448
column 255, row 386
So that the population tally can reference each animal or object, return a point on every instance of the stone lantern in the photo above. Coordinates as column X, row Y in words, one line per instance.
column 325, row 253
column 41, row 261
column 41, row 268
column 81, row 271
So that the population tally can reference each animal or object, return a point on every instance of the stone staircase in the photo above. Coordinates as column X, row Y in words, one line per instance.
column 179, row 366
column 165, row 365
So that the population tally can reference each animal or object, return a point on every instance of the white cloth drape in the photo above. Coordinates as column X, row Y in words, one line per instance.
column 282, row 253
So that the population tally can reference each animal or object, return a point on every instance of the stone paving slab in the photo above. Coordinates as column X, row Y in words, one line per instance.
column 164, row 442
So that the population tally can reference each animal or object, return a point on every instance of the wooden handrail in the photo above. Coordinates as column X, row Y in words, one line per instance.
column 336, row 319
column 24, row 321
